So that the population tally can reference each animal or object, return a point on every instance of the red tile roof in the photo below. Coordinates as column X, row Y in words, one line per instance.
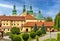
column 29, row 24
column 20, row 18
column 29, row 17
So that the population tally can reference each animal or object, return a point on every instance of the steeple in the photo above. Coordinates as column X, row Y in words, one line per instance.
column 14, row 10
column 24, row 8
column 31, row 8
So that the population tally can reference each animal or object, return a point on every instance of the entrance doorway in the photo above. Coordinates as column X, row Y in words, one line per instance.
column 26, row 30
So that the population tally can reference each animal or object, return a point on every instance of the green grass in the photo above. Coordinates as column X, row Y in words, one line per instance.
column 52, row 39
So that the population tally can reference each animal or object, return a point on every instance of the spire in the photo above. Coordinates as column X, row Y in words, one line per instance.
column 31, row 8
column 14, row 10
column 14, row 7
column 24, row 9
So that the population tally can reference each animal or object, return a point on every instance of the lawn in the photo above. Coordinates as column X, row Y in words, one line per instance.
column 52, row 39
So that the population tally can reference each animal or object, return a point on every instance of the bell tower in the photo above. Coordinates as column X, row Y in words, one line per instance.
column 24, row 8
column 14, row 12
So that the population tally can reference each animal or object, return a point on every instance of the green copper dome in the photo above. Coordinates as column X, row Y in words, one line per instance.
column 39, row 16
column 30, row 11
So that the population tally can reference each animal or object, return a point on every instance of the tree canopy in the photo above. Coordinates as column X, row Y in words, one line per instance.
column 49, row 19
column 57, row 21
column 15, row 30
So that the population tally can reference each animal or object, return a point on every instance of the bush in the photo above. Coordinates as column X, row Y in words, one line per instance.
column 15, row 30
column 39, row 33
column 58, row 37
column 37, row 38
column 25, row 36
column 52, row 39
column 11, row 36
column 32, row 34
column 43, row 29
column 16, row 38
column 8, row 33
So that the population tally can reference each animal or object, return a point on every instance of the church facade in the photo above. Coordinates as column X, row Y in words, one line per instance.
column 24, row 21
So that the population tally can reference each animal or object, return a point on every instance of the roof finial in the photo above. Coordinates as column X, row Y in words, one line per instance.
column 39, row 11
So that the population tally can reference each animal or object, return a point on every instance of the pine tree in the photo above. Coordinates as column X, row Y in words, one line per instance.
column 35, row 28
column 43, row 29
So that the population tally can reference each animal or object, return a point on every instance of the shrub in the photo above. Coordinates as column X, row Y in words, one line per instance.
column 35, row 28
column 16, row 38
column 37, row 38
column 39, row 33
column 25, row 36
column 8, row 33
column 11, row 36
column 43, row 29
column 15, row 30
column 32, row 34
column 58, row 37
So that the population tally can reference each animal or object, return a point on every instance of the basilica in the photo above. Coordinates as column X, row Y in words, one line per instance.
column 25, row 21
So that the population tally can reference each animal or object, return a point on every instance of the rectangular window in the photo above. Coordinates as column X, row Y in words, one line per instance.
column 7, row 21
column 14, row 24
column 8, row 29
column 17, row 24
column 4, row 24
column 7, row 24
column 4, row 29
column 11, row 24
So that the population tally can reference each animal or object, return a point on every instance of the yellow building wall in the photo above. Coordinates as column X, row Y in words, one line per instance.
column 5, row 23
column 40, row 20
column 23, row 14
column 11, row 24
column 6, row 30
column 24, row 29
column 31, row 20
column 43, row 20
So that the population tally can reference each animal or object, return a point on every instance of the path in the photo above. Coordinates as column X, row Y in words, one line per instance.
column 53, row 35
column 6, row 38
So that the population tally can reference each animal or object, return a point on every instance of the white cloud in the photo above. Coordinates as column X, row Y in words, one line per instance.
column 6, row 6
column 10, row 6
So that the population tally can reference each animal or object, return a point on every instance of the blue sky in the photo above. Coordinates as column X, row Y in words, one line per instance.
column 47, row 7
